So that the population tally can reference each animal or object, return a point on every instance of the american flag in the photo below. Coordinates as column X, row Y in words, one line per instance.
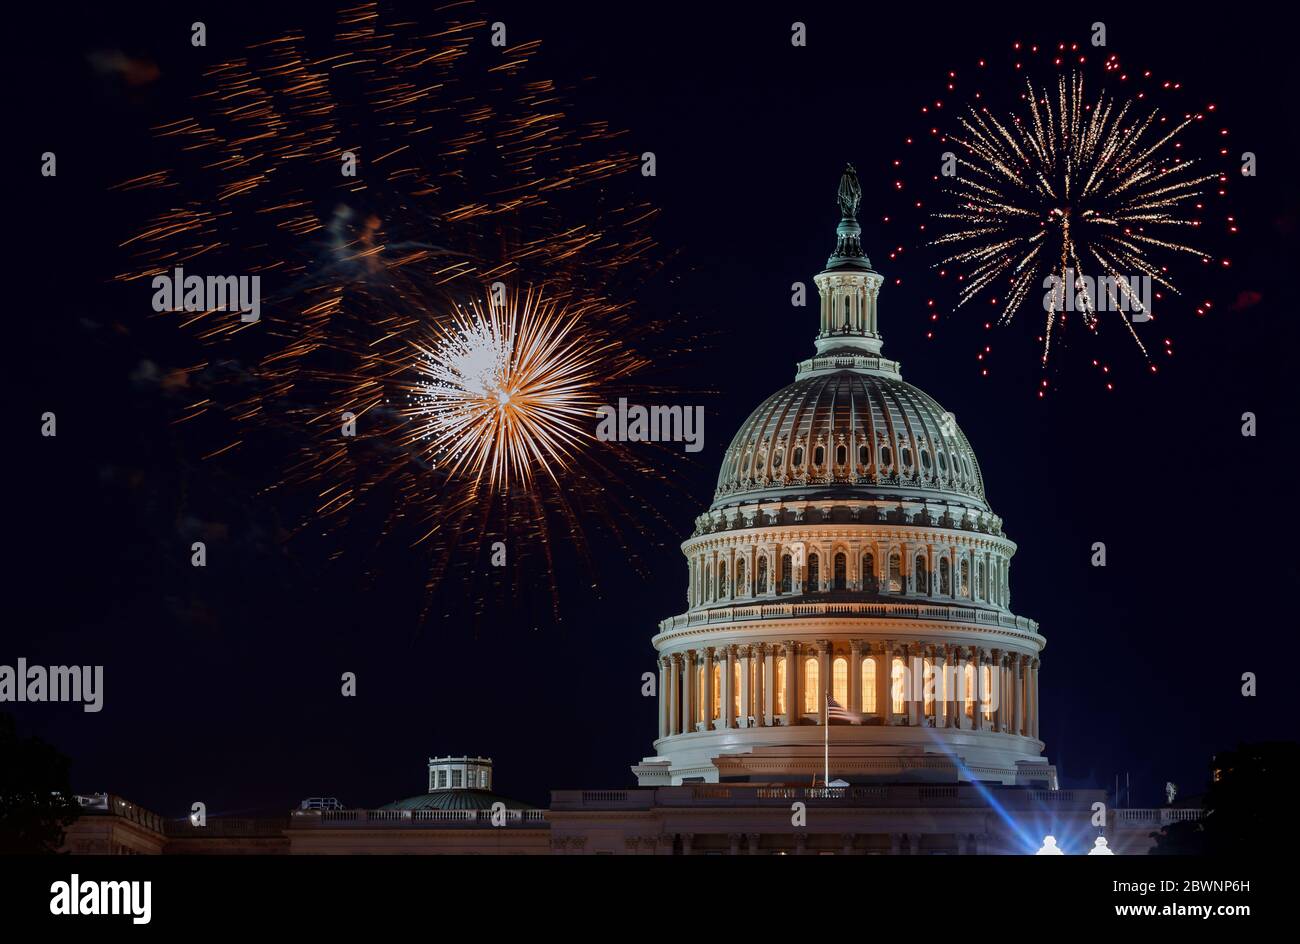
column 837, row 712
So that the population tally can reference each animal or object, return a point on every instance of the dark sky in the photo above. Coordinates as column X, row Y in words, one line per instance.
column 222, row 684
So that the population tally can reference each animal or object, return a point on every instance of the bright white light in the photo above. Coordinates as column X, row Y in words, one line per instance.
column 1049, row 847
column 1100, row 847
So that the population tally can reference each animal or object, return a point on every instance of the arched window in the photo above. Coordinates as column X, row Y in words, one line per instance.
column 741, row 589
column 798, row 456
column 780, row 685
column 716, row 708
column 922, row 575
column 968, row 677
column 814, row 574
column 786, row 578
column 982, row 581
column 964, row 587
column 708, row 582
column 848, row 312
column 945, row 577
column 722, row 579
column 840, row 681
column 809, row 686
column 819, row 456
column 895, row 573
column 869, row 685
column 841, row 454
column 735, row 689
column 841, row 572
column 898, row 685
column 929, row 682
column 864, row 455
column 869, row 573
column 762, row 574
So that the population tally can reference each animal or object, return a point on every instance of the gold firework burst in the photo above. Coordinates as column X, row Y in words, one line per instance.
column 1069, row 189
column 505, row 389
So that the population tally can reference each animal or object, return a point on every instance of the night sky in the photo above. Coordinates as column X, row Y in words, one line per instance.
column 222, row 684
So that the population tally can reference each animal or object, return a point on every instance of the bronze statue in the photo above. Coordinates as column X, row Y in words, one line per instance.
column 850, row 192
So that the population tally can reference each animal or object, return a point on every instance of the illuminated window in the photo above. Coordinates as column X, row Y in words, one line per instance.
column 898, row 685
column 868, row 685
column 735, row 688
column 964, row 586
column 986, row 680
column 786, row 567
column 840, row 680
column 740, row 578
column 780, row 685
column 814, row 573
column 968, row 680
column 841, row 572
column 457, row 778
column 762, row 574
column 699, row 692
column 810, row 685
column 716, row 707
column 722, row 580
column 930, row 683
column 895, row 573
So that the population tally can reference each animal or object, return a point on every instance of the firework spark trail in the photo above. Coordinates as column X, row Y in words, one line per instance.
column 469, row 172
column 1085, row 176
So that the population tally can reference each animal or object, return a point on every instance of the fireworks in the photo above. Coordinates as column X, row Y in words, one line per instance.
column 508, row 390
column 380, row 181
column 1074, row 194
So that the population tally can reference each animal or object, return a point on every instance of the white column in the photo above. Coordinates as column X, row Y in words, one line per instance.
column 940, row 689
column 884, row 684
column 708, row 688
column 690, row 705
column 791, row 682
column 1019, row 694
column 675, row 694
column 767, row 669
column 855, row 676
column 727, row 713
column 823, row 677
column 664, row 696
column 746, row 691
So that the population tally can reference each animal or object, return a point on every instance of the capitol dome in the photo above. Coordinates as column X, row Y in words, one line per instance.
column 848, row 600
column 852, row 432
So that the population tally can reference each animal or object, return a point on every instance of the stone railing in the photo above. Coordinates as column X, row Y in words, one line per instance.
column 381, row 819
column 919, row 611
column 747, row 795
column 1156, row 816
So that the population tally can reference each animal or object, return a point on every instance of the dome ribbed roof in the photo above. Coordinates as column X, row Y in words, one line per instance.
column 875, row 437
column 458, row 799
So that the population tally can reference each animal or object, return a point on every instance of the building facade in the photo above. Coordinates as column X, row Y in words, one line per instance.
column 849, row 584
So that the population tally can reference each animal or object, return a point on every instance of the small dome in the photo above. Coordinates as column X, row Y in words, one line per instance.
column 856, row 433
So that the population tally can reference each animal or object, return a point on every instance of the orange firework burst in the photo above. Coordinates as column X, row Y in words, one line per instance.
column 378, row 181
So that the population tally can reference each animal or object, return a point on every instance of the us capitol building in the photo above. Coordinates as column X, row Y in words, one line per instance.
column 849, row 554
column 848, row 676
